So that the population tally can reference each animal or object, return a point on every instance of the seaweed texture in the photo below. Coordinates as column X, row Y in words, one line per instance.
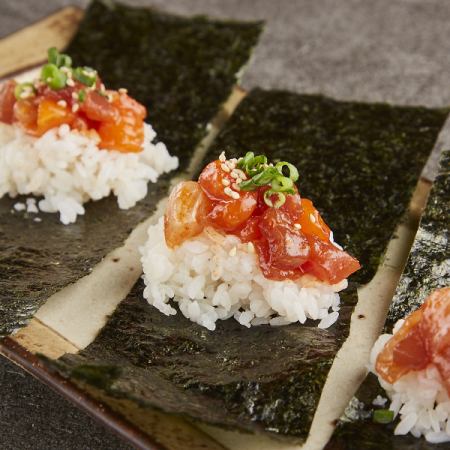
column 182, row 69
column 428, row 266
column 427, row 269
column 359, row 163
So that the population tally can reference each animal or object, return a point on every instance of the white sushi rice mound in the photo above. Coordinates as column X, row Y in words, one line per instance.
column 68, row 169
column 214, row 276
column 419, row 398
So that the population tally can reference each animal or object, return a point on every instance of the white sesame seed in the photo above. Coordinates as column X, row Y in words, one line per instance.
column 225, row 168
column 235, row 195
column 240, row 173
column 232, row 252
column 298, row 226
column 230, row 164
column 312, row 218
column 234, row 174
column 123, row 91
column 236, row 187
column 75, row 95
column 75, row 107
column 228, row 191
column 225, row 181
column 102, row 87
column 62, row 103
column 222, row 157
column 233, row 160
column 70, row 82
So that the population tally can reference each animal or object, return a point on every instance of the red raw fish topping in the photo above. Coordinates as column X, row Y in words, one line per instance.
column 289, row 235
column 423, row 339
column 76, row 97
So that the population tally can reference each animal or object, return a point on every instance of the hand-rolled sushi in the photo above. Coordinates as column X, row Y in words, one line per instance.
column 413, row 366
column 240, row 242
column 68, row 139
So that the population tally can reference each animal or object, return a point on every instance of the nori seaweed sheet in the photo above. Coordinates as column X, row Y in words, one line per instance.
column 182, row 69
column 359, row 163
column 427, row 269
column 428, row 266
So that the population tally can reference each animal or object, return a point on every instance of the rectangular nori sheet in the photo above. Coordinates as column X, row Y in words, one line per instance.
column 428, row 268
column 182, row 69
column 359, row 163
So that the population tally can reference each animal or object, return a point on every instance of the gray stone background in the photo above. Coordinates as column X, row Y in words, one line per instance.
column 372, row 50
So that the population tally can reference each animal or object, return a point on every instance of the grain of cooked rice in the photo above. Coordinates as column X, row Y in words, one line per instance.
column 67, row 169
column 214, row 276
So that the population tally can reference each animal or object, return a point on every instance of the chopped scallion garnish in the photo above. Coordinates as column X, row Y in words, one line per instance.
column 82, row 96
column 58, row 59
column 261, row 173
column 24, row 90
column 281, row 198
column 293, row 172
column 53, row 77
column 283, row 184
column 383, row 416
column 85, row 75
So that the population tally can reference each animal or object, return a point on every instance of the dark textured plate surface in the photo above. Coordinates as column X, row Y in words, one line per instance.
column 359, row 163
column 427, row 269
column 182, row 69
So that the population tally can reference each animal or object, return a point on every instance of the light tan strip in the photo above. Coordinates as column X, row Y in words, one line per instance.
column 28, row 47
column 38, row 338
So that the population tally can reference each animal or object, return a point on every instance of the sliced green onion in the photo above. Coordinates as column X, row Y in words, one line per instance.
column 24, row 90
column 58, row 59
column 265, row 177
column 293, row 172
column 242, row 163
column 53, row 55
column 66, row 61
column 383, row 416
column 82, row 96
column 281, row 198
column 247, row 185
column 85, row 75
column 261, row 179
column 53, row 77
column 260, row 173
column 256, row 165
column 282, row 184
